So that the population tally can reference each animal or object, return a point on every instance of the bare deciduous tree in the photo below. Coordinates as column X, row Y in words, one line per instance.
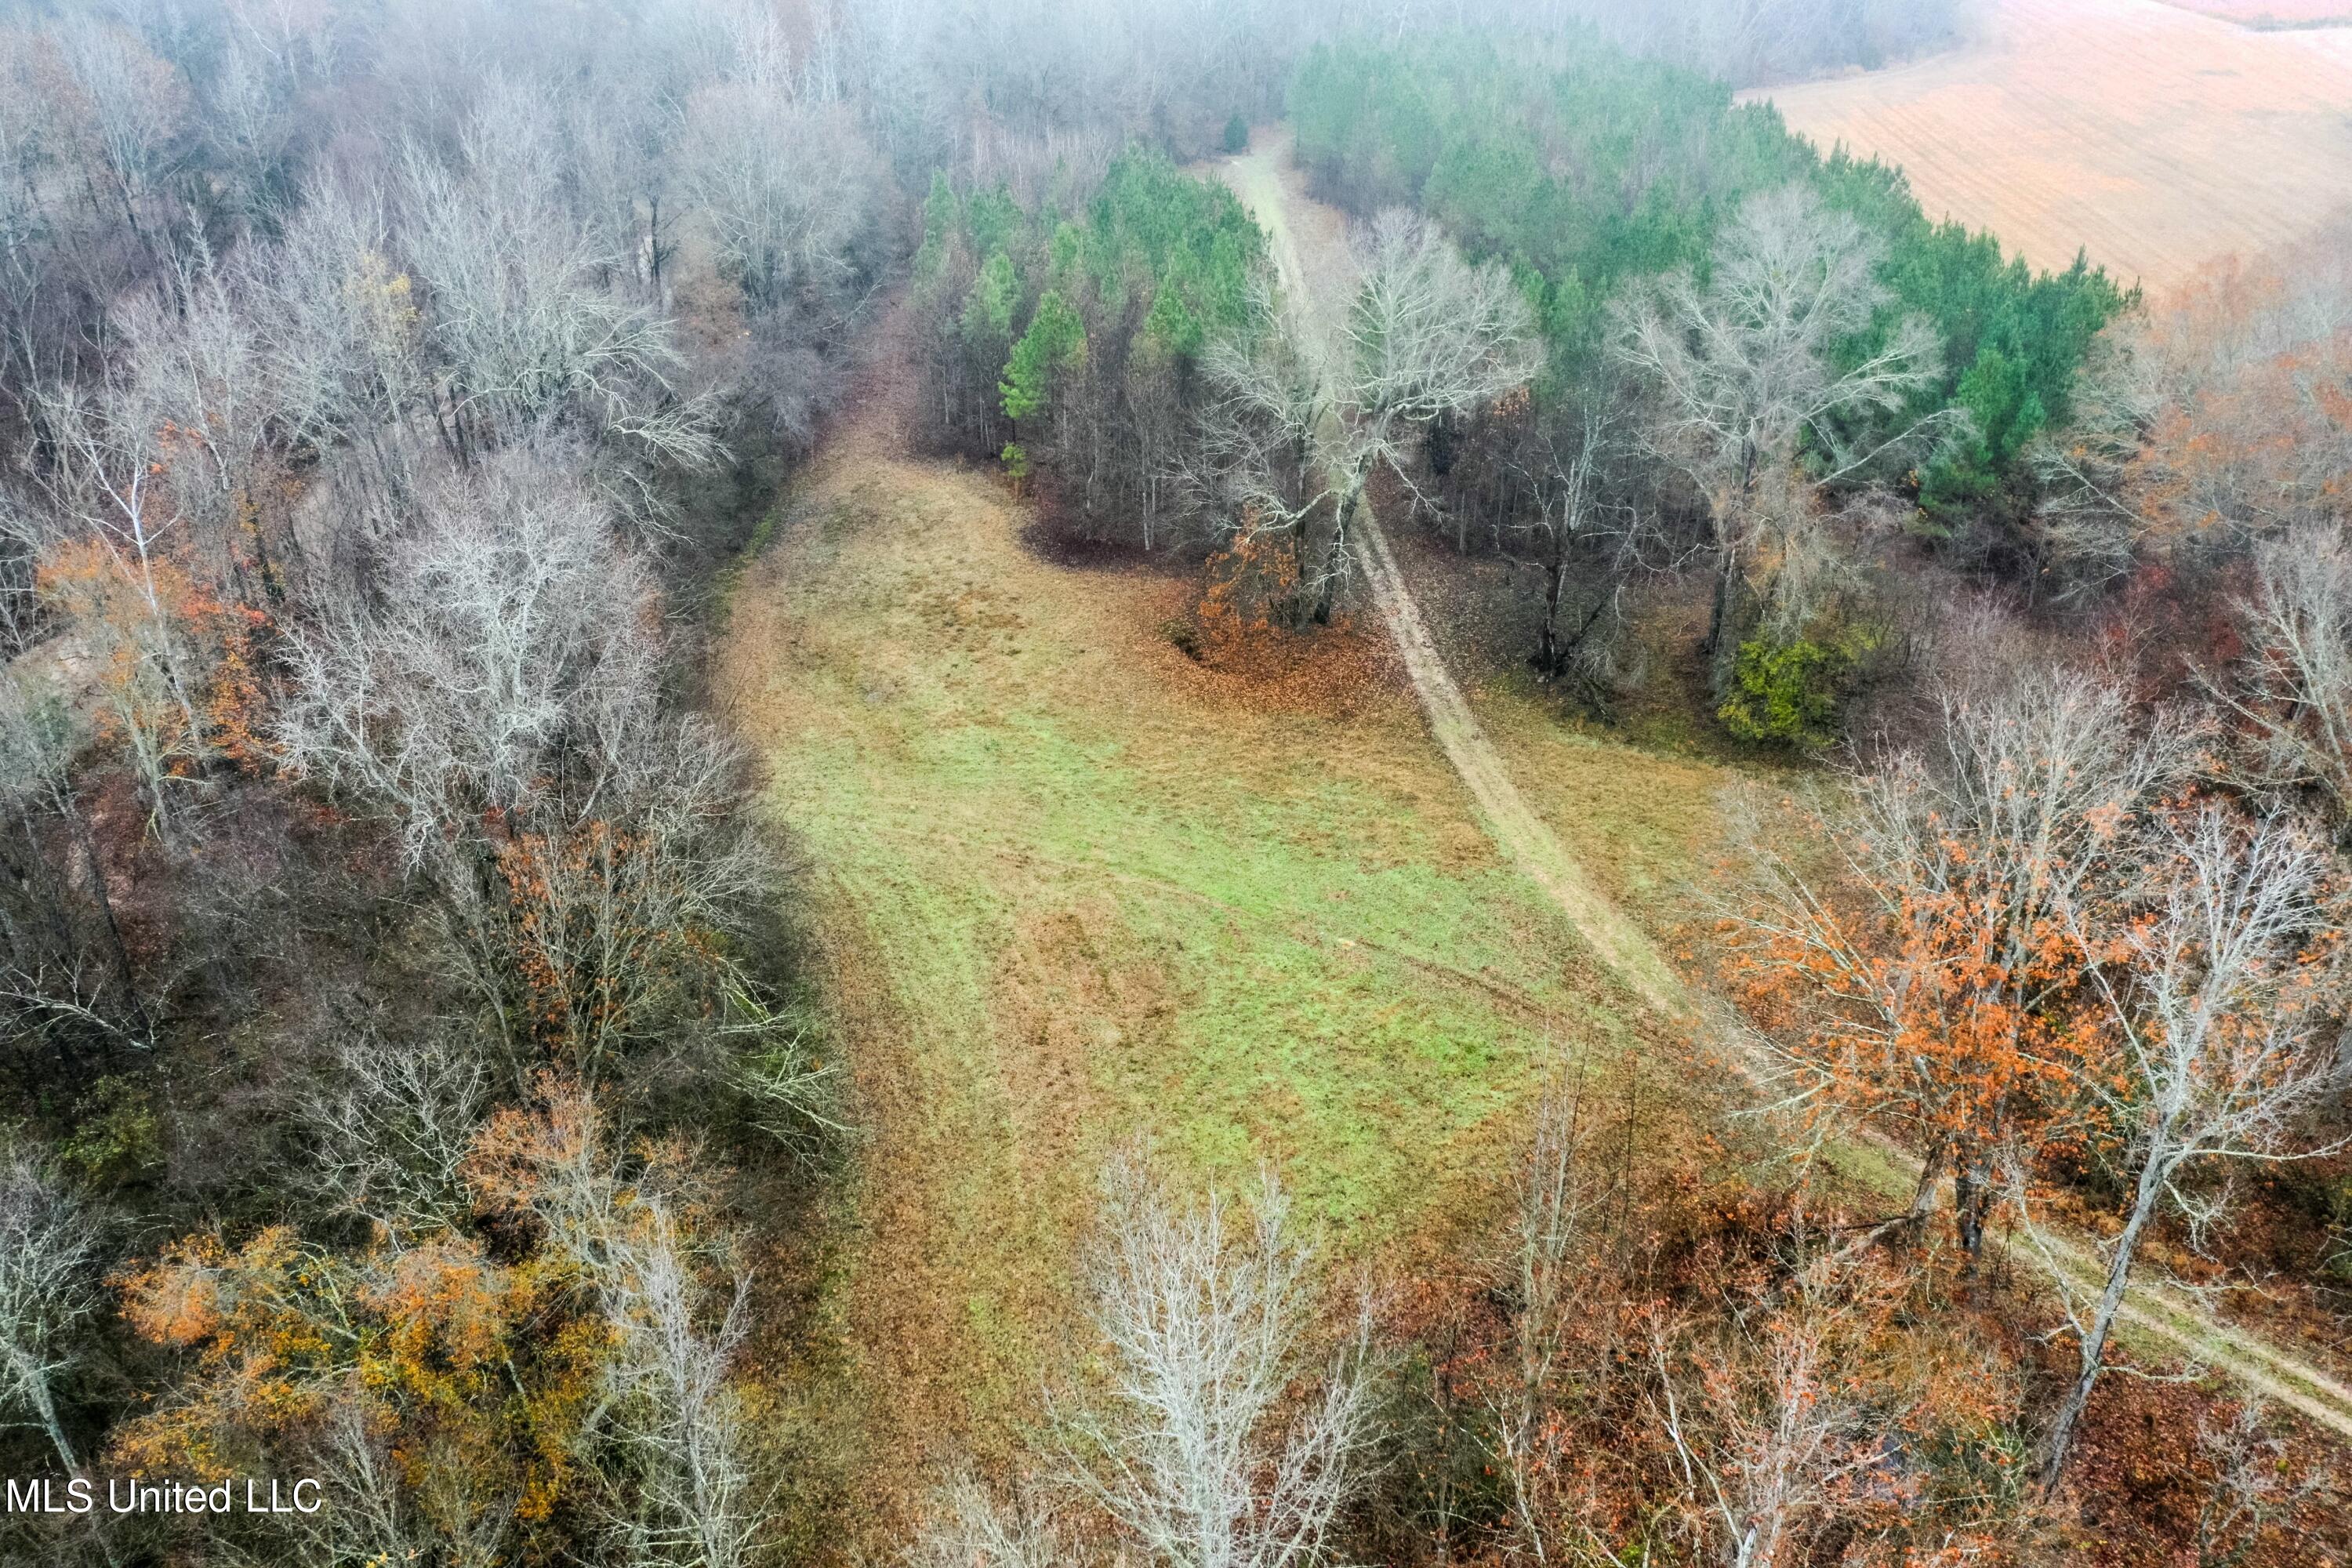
column 2255, row 1487
column 1773, row 1436
column 2292, row 689
column 528, row 332
column 1553, row 1231
column 1189, row 1448
column 48, row 1256
column 2214, row 1008
column 680, row 1487
column 395, row 1123
column 133, row 107
column 507, row 626
column 695, row 1498
column 500, row 705
column 783, row 187
column 1918, row 1005
column 1742, row 369
column 966, row 1527
column 1311, row 408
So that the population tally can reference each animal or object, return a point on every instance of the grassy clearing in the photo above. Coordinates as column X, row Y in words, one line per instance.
column 1073, row 887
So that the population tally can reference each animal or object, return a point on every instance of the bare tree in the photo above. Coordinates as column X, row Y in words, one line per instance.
column 1741, row 370
column 1554, row 1230
column 1427, row 336
column 694, row 1497
column 60, row 973
column 1188, row 1448
column 501, row 706
column 132, row 106
column 966, row 1527
column 393, row 1124
column 28, row 150
column 194, row 373
column 507, row 623
column 680, row 1486
column 2254, row 1490
column 2292, row 688
column 1922, row 976
column 1773, row 1433
column 527, row 331
column 48, row 1256
column 110, row 505
column 785, row 187
column 1580, row 522
column 2215, row 1005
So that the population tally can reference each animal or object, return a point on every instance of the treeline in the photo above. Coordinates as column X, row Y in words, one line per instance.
column 395, row 991
column 1592, row 172
column 1585, row 168
column 1066, row 337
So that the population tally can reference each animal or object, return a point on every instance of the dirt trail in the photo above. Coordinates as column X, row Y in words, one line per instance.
column 1265, row 180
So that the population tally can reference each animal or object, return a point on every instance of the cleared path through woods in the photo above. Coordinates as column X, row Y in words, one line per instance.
column 1266, row 183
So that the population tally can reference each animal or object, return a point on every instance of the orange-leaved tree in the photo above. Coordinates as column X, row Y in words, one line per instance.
column 550, row 1372
column 1935, row 984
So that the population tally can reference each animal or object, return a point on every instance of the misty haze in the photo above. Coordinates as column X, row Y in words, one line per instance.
column 1175, row 783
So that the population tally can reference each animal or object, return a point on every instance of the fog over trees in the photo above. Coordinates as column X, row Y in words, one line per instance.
column 418, row 1069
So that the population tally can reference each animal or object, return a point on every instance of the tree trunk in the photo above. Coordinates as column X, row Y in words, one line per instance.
column 36, row 1385
column 2103, row 1320
column 1723, row 632
column 1548, row 657
column 1335, row 559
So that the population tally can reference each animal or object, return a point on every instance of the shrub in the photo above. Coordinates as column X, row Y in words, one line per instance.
column 1793, row 693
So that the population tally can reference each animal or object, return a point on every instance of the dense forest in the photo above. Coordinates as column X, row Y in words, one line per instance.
column 418, row 1070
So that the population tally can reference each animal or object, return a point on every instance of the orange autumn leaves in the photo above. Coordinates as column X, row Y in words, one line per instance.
column 1949, row 978
column 1931, row 1004
column 474, row 1357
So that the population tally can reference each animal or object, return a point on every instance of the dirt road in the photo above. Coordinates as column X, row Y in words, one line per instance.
column 1309, row 245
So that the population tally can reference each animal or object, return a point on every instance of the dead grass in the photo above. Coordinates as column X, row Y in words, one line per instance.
column 1071, row 887
column 2155, row 138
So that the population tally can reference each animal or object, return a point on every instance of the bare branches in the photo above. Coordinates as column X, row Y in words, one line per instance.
column 1773, row 1431
column 393, row 1125
column 1742, row 371
column 787, row 189
column 509, row 627
column 1188, row 1448
column 48, row 1256
column 967, row 1527
column 526, row 333
column 2212, row 1002
column 2293, row 686
column 1428, row 333
column 1929, row 985
column 1308, row 410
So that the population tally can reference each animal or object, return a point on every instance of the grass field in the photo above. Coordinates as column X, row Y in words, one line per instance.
column 2156, row 138
column 1073, row 887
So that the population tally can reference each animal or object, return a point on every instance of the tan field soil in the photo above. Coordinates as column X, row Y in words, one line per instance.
column 2274, row 13
column 2153, row 137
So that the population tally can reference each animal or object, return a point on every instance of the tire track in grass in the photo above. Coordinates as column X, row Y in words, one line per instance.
column 2159, row 1313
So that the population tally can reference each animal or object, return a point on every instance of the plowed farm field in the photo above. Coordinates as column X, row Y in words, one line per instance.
column 2152, row 137
column 2274, row 13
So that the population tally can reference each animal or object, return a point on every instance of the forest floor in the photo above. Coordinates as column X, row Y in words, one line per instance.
column 1071, row 887
column 2152, row 137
